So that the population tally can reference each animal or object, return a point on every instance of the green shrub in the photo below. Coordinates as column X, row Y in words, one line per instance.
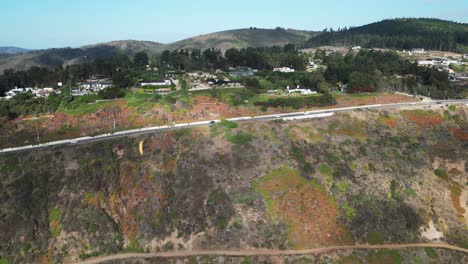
column 342, row 186
column 349, row 212
column 228, row 124
column 240, row 138
column 452, row 108
column 441, row 173
column 431, row 253
column 375, row 238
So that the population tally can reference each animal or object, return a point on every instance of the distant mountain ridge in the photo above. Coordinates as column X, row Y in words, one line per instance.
column 391, row 33
column 13, row 50
column 403, row 33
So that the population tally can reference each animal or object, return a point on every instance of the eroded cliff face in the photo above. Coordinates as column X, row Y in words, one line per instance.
column 367, row 177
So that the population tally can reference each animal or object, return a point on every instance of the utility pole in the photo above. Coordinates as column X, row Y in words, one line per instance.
column 37, row 135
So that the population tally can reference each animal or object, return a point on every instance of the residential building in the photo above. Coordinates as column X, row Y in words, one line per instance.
column 96, row 84
column 428, row 62
column 356, row 47
column 465, row 56
column 418, row 51
column 299, row 90
column 283, row 69
column 241, row 71
column 44, row 92
column 156, row 83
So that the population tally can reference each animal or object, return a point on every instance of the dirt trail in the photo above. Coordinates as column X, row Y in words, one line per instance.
column 266, row 252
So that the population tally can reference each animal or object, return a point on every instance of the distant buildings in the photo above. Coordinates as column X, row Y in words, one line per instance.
column 465, row 56
column 438, row 62
column 356, row 47
column 36, row 92
column 283, row 69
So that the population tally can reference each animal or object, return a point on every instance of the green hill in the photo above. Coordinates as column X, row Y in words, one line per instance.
column 405, row 33
column 243, row 38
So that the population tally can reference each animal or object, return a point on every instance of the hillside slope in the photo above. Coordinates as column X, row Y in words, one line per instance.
column 13, row 50
column 366, row 177
column 404, row 33
column 68, row 56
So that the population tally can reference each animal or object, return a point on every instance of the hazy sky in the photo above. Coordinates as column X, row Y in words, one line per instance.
column 60, row 23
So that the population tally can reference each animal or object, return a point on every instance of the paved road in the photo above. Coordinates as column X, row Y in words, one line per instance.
column 286, row 117
column 266, row 252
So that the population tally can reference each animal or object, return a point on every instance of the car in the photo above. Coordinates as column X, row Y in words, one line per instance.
column 438, row 102
column 74, row 142
column 212, row 122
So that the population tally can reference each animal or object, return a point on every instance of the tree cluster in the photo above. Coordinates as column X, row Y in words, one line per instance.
column 400, row 34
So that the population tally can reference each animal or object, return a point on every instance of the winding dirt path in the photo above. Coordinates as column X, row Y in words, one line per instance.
column 266, row 252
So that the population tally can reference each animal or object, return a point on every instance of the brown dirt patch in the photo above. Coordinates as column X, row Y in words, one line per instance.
column 423, row 118
column 346, row 100
column 310, row 213
column 459, row 134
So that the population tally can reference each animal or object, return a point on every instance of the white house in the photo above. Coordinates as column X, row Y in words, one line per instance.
column 427, row 62
column 44, row 92
column 299, row 90
column 356, row 47
column 283, row 69
column 157, row 83
column 418, row 51
column 465, row 56
column 96, row 85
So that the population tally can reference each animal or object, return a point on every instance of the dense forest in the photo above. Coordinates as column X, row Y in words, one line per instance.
column 408, row 33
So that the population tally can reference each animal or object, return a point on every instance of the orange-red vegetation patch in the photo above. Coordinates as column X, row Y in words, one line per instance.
column 205, row 107
column 459, row 133
column 455, row 193
column 423, row 118
column 310, row 213
column 388, row 121
column 346, row 100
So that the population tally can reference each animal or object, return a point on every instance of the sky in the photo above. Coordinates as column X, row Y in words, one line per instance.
column 38, row 24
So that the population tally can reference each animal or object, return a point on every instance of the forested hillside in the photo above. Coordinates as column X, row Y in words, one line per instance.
column 402, row 33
